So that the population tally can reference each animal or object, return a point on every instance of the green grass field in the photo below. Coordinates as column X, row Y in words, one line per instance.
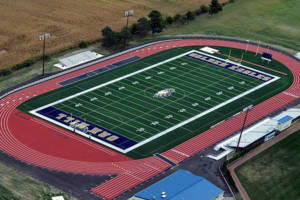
column 271, row 21
column 274, row 174
column 130, row 109
column 17, row 186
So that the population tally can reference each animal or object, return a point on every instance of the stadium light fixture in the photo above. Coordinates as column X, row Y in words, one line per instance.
column 246, row 110
column 44, row 37
column 127, row 14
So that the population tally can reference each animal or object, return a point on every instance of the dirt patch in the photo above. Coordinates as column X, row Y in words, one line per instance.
column 3, row 51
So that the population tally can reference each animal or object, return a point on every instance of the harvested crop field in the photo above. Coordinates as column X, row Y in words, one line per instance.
column 69, row 21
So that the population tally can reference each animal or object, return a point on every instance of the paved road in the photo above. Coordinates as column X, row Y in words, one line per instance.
column 255, row 152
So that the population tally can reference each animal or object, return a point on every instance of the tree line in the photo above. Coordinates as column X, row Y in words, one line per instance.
column 154, row 23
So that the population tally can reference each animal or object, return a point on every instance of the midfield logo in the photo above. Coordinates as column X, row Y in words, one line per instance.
column 164, row 93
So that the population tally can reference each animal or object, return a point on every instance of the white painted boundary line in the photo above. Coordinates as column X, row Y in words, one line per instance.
column 34, row 112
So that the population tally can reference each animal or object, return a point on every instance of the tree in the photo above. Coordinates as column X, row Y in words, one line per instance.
column 156, row 21
column 214, row 7
column 4, row 72
column 143, row 27
column 125, row 35
column 204, row 9
column 178, row 19
column 198, row 12
column 110, row 38
column 134, row 28
column 83, row 44
column 169, row 20
column 190, row 16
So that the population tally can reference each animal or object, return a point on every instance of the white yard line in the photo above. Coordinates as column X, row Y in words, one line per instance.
column 131, row 96
column 34, row 112
column 114, row 126
column 123, row 122
column 202, row 87
column 217, row 71
column 173, row 101
column 147, row 113
column 169, row 80
column 196, row 87
column 216, row 74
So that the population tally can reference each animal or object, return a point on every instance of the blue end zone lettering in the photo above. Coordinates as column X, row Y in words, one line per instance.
column 90, row 129
column 232, row 67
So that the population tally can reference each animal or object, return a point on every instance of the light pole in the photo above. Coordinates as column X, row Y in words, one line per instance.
column 127, row 14
column 44, row 37
column 246, row 110
column 247, row 45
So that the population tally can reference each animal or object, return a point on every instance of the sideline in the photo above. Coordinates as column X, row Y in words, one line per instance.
column 255, row 152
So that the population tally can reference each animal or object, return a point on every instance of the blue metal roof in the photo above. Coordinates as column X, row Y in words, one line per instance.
column 285, row 119
column 181, row 185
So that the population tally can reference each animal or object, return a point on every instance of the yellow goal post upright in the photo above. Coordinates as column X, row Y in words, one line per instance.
column 229, row 54
column 242, row 57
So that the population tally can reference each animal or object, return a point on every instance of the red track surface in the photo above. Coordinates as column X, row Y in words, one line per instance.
column 40, row 143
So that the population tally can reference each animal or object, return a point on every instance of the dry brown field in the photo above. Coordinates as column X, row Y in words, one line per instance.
column 69, row 21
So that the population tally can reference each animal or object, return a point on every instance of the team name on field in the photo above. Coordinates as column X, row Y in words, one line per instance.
column 95, row 131
column 232, row 67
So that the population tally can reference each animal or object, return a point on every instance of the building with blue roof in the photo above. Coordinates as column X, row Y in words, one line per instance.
column 181, row 185
column 285, row 119
column 284, row 122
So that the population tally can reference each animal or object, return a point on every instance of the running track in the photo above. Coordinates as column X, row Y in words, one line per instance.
column 39, row 143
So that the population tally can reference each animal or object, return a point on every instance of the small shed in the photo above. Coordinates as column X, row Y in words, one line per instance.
column 285, row 122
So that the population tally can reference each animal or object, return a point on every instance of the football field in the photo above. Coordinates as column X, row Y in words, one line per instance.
column 136, row 108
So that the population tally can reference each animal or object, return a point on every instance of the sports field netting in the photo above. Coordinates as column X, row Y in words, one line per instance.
column 134, row 109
